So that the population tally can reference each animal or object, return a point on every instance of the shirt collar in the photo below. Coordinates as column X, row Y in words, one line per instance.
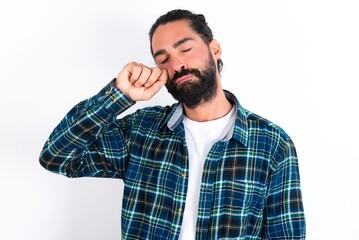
column 240, row 128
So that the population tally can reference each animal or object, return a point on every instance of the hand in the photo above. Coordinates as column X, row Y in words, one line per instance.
column 140, row 82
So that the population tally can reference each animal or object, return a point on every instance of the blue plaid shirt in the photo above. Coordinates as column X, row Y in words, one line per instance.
column 250, row 185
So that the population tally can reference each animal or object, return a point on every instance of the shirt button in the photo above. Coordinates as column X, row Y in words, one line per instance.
column 114, row 100
column 183, row 175
column 180, row 210
column 107, row 93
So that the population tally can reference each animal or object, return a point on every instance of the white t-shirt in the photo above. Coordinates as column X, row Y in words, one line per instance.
column 200, row 137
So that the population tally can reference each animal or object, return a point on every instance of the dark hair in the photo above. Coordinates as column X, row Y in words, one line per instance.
column 197, row 23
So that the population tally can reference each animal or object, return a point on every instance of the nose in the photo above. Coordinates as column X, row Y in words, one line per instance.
column 180, row 68
column 178, row 65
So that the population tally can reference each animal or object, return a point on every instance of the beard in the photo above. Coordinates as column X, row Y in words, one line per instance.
column 194, row 92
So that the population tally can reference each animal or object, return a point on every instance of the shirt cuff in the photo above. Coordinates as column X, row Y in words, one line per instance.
column 113, row 99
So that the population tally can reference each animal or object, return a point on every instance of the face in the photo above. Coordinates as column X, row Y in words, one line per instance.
column 189, row 61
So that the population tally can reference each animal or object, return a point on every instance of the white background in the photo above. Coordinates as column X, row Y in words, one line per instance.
column 293, row 62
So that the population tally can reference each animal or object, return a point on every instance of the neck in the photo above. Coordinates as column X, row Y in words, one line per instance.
column 218, row 107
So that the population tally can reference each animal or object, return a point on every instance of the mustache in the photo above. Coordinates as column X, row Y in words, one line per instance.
column 193, row 71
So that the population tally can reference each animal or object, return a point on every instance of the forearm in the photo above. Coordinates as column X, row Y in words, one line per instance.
column 65, row 150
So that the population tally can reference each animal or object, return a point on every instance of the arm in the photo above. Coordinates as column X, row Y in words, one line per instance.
column 89, row 141
column 81, row 144
column 284, row 213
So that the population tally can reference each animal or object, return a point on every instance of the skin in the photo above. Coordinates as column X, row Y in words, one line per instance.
column 175, row 46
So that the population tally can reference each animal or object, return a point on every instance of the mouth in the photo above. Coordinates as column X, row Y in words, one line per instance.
column 184, row 79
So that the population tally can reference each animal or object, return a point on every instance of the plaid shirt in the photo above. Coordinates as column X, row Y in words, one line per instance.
column 250, row 185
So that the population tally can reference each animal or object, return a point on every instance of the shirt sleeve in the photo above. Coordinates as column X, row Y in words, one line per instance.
column 90, row 141
column 284, row 213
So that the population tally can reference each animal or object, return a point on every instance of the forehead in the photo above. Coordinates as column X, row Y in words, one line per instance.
column 169, row 33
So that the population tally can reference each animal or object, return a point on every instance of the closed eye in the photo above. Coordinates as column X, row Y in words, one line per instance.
column 164, row 61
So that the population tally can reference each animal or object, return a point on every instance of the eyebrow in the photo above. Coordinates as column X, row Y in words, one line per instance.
column 175, row 45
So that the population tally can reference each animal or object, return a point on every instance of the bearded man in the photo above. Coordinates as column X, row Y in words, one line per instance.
column 203, row 168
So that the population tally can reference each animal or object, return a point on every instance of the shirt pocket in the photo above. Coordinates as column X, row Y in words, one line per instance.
column 242, row 196
column 239, row 209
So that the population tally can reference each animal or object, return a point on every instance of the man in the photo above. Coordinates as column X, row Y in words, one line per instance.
column 203, row 168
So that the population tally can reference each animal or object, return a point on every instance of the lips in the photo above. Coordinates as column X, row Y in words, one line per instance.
column 184, row 79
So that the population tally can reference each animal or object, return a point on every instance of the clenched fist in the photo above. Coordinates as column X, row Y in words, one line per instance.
column 140, row 82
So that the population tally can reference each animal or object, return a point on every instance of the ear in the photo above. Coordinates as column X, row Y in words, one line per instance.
column 215, row 49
